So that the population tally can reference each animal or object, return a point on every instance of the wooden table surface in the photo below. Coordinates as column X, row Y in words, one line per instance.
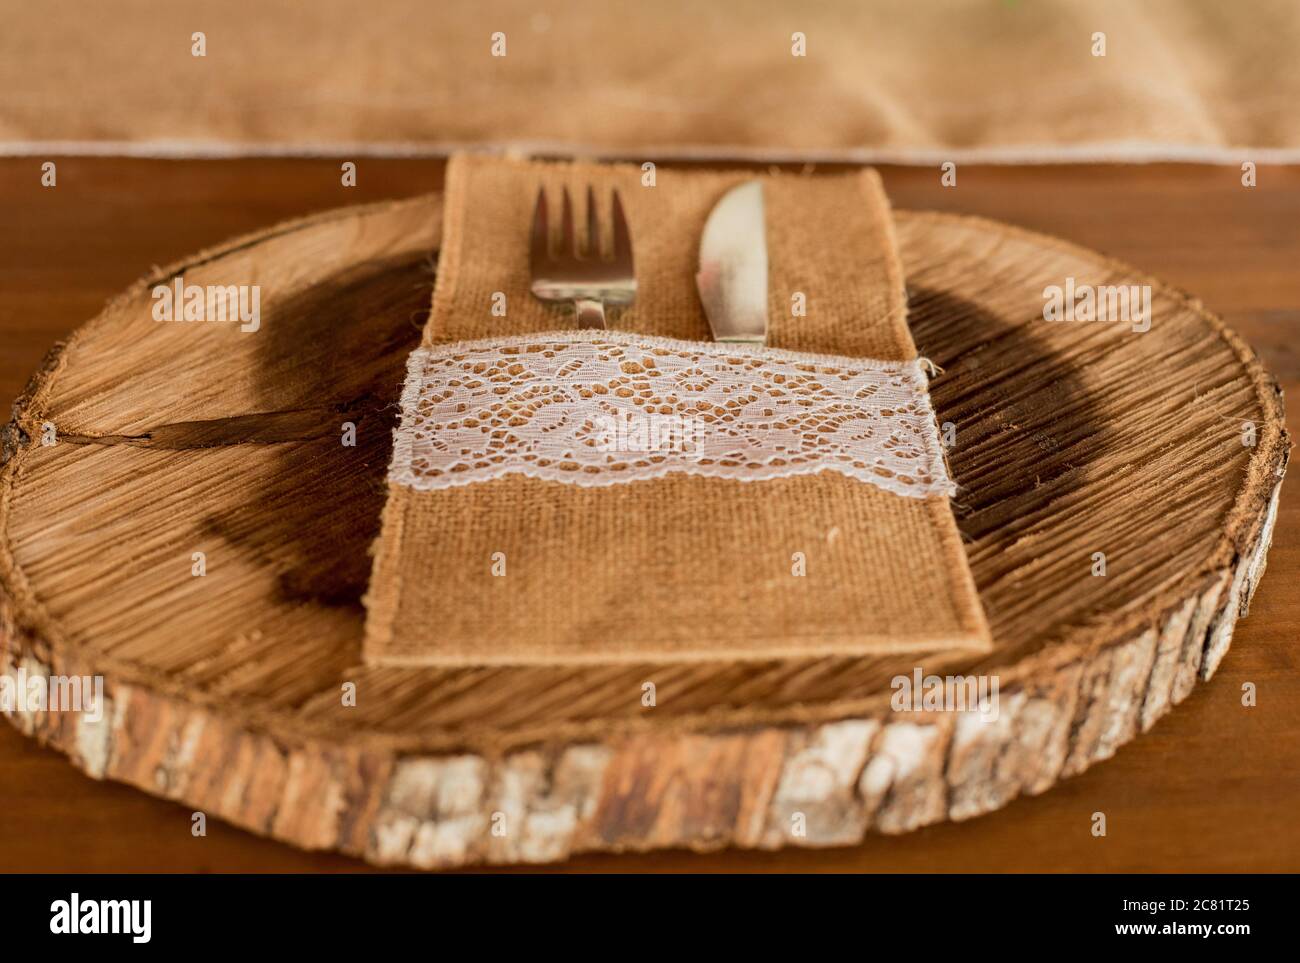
column 1215, row 786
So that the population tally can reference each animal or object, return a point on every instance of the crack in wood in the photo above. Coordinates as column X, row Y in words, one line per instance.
column 269, row 427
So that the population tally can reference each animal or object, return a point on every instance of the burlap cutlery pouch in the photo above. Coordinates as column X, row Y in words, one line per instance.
column 640, row 494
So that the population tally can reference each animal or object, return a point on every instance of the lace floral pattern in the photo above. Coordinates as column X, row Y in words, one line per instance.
column 600, row 408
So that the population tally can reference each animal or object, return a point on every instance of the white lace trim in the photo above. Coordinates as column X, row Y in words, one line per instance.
column 598, row 408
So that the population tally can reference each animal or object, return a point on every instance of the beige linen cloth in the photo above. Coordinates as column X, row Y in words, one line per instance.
column 880, row 80
column 677, row 567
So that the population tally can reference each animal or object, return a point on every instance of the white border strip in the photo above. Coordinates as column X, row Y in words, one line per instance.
column 1101, row 152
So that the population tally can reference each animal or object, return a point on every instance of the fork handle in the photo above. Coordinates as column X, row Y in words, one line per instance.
column 591, row 314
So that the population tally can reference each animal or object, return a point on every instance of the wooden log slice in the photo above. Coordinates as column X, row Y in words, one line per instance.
column 226, row 690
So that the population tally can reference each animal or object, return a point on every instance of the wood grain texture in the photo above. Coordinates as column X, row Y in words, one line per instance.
column 837, row 748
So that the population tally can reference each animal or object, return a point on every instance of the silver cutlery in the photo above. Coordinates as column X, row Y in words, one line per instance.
column 589, row 277
column 732, row 279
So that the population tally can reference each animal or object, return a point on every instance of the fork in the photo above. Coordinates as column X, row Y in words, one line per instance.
column 586, row 277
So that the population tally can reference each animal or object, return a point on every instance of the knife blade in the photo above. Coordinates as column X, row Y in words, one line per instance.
column 732, row 277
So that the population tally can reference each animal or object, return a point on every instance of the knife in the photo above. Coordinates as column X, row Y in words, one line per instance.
column 732, row 279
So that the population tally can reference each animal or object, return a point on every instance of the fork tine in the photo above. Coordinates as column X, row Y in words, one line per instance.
column 593, row 227
column 568, row 243
column 541, row 240
column 622, row 238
